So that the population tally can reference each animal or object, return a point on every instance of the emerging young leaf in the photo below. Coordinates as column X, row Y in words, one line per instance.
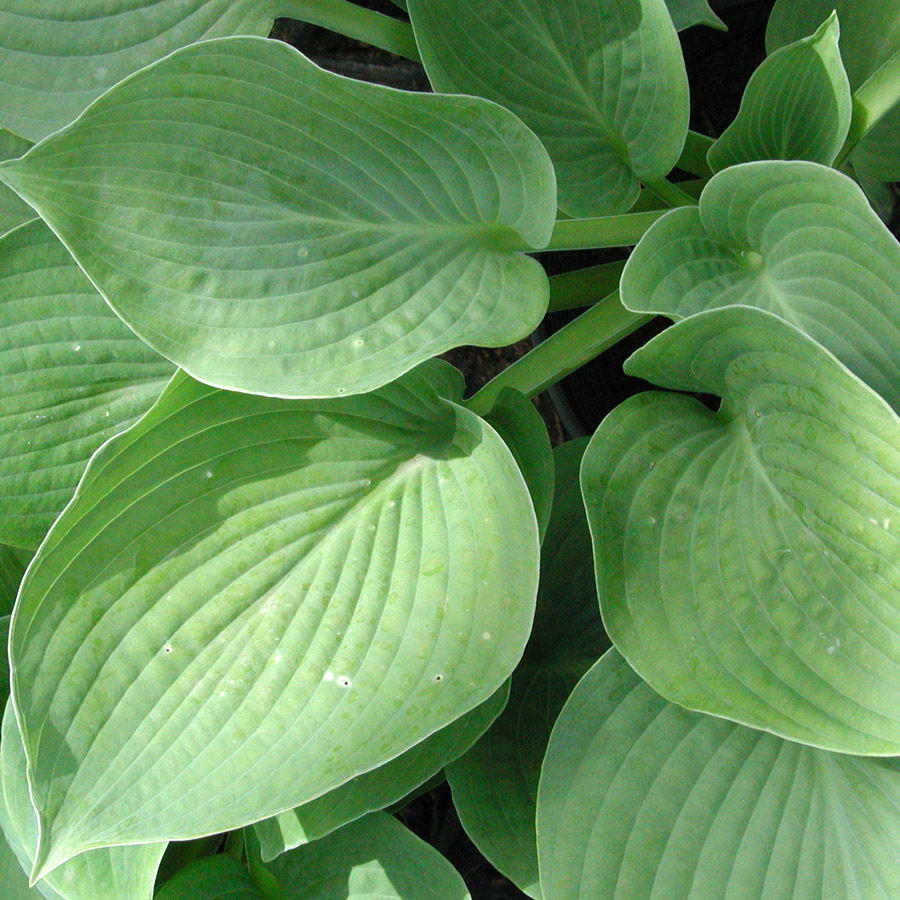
column 641, row 799
column 374, row 858
column 747, row 560
column 870, row 35
column 111, row 873
column 71, row 376
column 495, row 784
column 796, row 106
column 55, row 58
column 250, row 601
column 793, row 238
column 212, row 878
column 13, row 210
column 602, row 84
column 381, row 787
column 277, row 229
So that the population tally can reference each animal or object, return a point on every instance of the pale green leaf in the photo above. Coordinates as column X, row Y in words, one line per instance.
column 602, row 84
column 870, row 35
column 795, row 106
column 212, row 878
column 55, row 58
column 117, row 873
column 250, row 601
column 495, row 784
column 277, row 229
column 748, row 559
column 686, row 13
column 640, row 799
column 379, row 788
column 13, row 877
column 518, row 422
column 71, row 376
column 374, row 858
column 13, row 210
column 794, row 238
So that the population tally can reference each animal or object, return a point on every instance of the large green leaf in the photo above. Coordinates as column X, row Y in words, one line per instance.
column 277, row 229
column 747, row 560
column 640, row 799
column 13, row 210
column 602, row 84
column 212, row 878
column 250, row 601
column 374, row 858
column 379, row 788
column 71, row 376
column 870, row 35
column 55, row 58
column 115, row 873
column 793, row 238
column 796, row 105
column 495, row 784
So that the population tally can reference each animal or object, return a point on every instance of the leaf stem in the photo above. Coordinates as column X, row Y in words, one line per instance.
column 234, row 845
column 693, row 157
column 584, row 287
column 604, row 231
column 355, row 22
column 670, row 193
column 872, row 100
column 568, row 349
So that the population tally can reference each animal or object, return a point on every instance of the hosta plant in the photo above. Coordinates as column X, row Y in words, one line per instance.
column 269, row 571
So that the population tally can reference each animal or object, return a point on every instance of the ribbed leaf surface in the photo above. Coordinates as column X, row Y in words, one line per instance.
column 115, row 873
column 795, row 106
column 748, row 560
column 251, row 601
column 495, row 784
column 71, row 376
column 602, row 84
column 793, row 238
column 379, row 788
column 277, row 229
column 641, row 799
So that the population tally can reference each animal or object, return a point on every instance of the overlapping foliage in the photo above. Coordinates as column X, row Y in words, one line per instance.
column 265, row 570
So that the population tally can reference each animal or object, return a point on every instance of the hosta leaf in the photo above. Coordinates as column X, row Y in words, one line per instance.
column 748, row 559
column 250, row 601
column 211, row 878
column 12, row 567
column 641, row 799
column 495, row 784
column 602, row 84
column 519, row 424
column 13, row 877
column 374, row 858
column 274, row 228
column 71, row 376
column 870, row 35
column 793, row 238
column 686, row 13
column 56, row 58
column 13, row 210
column 112, row 873
column 379, row 788
column 796, row 105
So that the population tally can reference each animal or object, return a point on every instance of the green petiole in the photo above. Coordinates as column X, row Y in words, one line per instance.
column 584, row 287
column 670, row 193
column 568, row 349
column 693, row 157
column 603, row 231
column 355, row 22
